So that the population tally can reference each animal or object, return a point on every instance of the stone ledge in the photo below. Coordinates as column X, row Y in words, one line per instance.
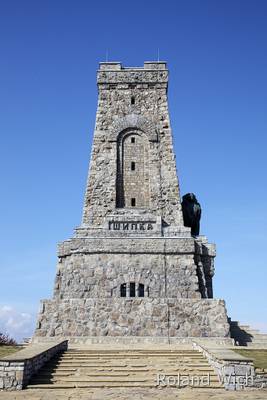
column 136, row 341
column 228, row 355
column 31, row 351
column 143, row 245
column 235, row 372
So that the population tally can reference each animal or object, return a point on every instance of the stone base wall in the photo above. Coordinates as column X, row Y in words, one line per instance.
column 100, row 275
column 133, row 317
column 167, row 267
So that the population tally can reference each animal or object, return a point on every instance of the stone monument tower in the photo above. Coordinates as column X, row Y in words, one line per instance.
column 132, row 267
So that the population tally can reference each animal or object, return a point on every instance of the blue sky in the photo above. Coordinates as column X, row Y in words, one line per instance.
column 49, row 53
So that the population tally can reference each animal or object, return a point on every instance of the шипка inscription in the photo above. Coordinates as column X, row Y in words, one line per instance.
column 133, row 226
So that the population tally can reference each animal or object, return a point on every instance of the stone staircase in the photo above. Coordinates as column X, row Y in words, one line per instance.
column 99, row 368
column 244, row 335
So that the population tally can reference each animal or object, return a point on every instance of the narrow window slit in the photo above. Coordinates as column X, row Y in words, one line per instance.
column 123, row 290
column 132, row 289
column 141, row 290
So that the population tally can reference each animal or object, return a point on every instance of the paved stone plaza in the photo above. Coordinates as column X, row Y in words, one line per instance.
column 134, row 394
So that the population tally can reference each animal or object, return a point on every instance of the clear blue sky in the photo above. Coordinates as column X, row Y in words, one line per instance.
column 217, row 55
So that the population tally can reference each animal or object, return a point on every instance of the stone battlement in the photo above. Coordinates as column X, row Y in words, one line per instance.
column 117, row 66
column 153, row 72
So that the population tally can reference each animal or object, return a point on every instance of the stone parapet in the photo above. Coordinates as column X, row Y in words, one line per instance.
column 113, row 72
column 234, row 371
column 17, row 369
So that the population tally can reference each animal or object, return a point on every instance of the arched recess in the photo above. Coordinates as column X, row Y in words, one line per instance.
column 133, row 121
column 132, row 177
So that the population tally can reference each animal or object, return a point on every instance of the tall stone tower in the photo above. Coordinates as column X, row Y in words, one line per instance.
column 133, row 268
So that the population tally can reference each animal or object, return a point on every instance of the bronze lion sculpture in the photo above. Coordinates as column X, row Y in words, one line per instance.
column 191, row 213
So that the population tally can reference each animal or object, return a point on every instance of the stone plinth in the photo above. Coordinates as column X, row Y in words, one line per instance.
column 133, row 317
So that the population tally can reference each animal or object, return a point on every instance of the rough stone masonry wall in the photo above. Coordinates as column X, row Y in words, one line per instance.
column 149, row 115
column 133, row 317
column 100, row 275
column 87, row 298
column 96, row 267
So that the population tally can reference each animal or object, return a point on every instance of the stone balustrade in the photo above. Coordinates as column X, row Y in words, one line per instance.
column 17, row 369
column 235, row 372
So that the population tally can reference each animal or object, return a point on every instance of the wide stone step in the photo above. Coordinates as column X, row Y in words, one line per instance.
column 111, row 379
column 132, row 353
column 130, row 350
column 124, row 360
column 96, row 379
column 126, row 364
column 129, row 361
column 106, row 380
column 129, row 365
column 126, row 374
column 67, row 385
column 132, row 356
column 171, row 356
column 129, row 357
column 128, row 370
column 132, row 368
column 135, row 351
